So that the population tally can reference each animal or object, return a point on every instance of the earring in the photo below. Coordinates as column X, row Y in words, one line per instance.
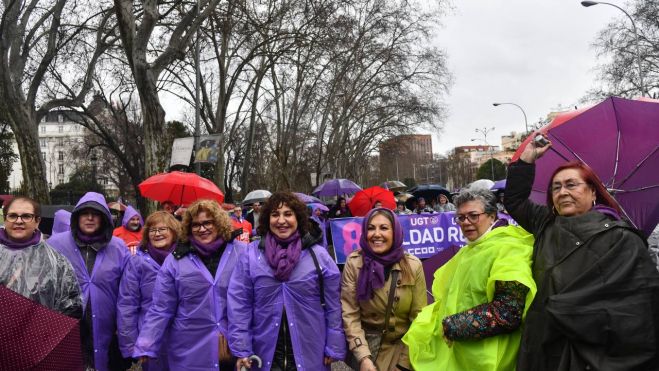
column 593, row 202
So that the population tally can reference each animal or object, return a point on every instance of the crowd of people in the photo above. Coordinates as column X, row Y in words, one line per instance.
column 572, row 287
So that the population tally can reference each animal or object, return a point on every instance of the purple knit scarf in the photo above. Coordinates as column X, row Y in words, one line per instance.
column 5, row 240
column 371, row 276
column 157, row 254
column 205, row 250
column 283, row 255
column 90, row 240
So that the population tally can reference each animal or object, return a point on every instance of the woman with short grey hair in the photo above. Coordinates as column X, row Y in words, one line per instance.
column 486, row 197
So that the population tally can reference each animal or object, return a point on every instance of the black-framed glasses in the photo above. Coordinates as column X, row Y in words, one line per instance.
column 207, row 224
column 161, row 230
column 570, row 186
column 472, row 217
column 13, row 217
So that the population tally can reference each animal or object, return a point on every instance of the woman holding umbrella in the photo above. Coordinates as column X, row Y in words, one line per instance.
column 284, row 294
column 340, row 209
column 597, row 305
column 159, row 237
column 189, row 298
column 382, row 290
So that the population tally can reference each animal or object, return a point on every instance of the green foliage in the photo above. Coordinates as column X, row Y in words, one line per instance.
column 80, row 183
column 409, row 182
column 7, row 158
column 485, row 170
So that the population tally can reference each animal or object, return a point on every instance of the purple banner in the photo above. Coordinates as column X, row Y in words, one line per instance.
column 424, row 234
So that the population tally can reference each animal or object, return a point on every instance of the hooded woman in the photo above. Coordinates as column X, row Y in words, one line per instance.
column 98, row 259
column 189, row 298
column 159, row 238
column 481, row 295
column 131, row 229
column 365, row 284
column 284, row 294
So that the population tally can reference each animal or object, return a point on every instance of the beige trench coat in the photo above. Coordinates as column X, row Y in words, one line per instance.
column 409, row 298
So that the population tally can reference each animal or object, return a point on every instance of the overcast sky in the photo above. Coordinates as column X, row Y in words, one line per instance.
column 537, row 54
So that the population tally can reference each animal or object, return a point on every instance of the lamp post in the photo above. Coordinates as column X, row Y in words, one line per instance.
column 526, row 122
column 484, row 132
column 638, row 52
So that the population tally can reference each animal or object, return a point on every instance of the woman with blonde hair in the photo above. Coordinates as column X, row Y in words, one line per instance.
column 382, row 290
column 189, row 299
column 159, row 237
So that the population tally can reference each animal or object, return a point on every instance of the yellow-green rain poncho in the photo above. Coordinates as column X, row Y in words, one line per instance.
column 465, row 281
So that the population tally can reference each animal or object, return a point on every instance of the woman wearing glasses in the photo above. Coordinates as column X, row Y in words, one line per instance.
column 159, row 237
column 597, row 305
column 481, row 294
column 189, row 298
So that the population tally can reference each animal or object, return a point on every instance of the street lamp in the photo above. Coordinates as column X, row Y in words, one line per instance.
column 485, row 131
column 638, row 52
column 526, row 122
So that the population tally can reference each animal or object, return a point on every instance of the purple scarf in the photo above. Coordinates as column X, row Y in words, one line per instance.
column 608, row 211
column 371, row 276
column 90, row 240
column 5, row 240
column 205, row 250
column 157, row 254
column 283, row 255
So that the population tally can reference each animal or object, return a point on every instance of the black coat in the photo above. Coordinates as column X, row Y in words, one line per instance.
column 597, row 304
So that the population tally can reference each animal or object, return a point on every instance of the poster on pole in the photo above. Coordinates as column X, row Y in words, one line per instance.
column 181, row 151
column 208, row 150
column 424, row 234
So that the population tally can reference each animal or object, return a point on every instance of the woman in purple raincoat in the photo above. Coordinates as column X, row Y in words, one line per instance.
column 98, row 260
column 189, row 298
column 284, row 294
column 159, row 237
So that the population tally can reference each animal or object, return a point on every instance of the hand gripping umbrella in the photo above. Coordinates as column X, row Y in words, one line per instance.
column 180, row 188
column 33, row 337
column 619, row 139
column 336, row 187
column 364, row 200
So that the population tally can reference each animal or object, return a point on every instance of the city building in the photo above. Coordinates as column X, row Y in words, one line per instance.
column 406, row 157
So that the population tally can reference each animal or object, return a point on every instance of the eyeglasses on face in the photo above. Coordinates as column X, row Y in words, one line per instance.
column 471, row 217
column 207, row 224
column 161, row 230
column 26, row 218
column 570, row 186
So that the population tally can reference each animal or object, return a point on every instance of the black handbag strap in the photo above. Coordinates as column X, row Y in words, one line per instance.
column 321, row 282
column 390, row 300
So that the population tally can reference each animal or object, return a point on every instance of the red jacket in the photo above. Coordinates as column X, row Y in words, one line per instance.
column 132, row 239
column 245, row 225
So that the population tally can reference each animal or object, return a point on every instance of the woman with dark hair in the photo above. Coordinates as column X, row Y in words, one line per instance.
column 158, row 240
column 189, row 298
column 284, row 294
column 597, row 305
column 481, row 294
column 340, row 209
column 367, row 278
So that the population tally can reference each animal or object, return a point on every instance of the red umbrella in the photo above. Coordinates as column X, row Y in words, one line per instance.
column 33, row 337
column 364, row 200
column 180, row 188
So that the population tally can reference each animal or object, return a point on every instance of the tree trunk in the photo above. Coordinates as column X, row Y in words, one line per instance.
column 244, row 184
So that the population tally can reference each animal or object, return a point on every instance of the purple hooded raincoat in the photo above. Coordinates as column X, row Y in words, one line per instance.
column 102, row 286
column 135, row 298
column 257, row 299
column 191, row 304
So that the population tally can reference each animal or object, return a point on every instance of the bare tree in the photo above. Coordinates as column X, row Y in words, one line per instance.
column 39, row 41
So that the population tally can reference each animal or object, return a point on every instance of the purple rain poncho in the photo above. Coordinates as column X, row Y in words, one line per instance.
column 135, row 299
column 190, row 303
column 102, row 286
column 257, row 299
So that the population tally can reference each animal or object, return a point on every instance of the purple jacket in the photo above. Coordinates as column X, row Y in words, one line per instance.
column 256, row 301
column 190, row 303
column 102, row 286
column 135, row 298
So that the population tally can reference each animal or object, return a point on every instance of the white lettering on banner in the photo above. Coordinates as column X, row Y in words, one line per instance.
column 420, row 251
column 415, row 236
column 427, row 236
column 439, row 234
column 455, row 234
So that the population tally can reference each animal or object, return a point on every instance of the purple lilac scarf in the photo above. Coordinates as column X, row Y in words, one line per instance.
column 90, row 240
column 5, row 240
column 371, row 276
column 205, row 250
column 283, row 255
column 608, row 211
column 157, row 254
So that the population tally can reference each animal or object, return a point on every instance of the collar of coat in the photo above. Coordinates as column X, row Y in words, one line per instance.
column 184, row 248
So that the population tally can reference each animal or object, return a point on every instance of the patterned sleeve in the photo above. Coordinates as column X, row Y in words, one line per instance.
column 502, row 315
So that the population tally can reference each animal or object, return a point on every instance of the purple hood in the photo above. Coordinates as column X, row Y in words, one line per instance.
column 97, row 202
column 62, row 221
column 128, row 214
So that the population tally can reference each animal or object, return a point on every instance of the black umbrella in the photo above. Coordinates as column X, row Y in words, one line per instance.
column 429, row 191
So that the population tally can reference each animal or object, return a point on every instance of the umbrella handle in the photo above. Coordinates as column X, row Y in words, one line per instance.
column 255, row 358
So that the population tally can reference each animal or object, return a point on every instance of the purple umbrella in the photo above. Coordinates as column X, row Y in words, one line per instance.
column 318, row 205
column 619, row 140
column 433, row 263
column 336, row 187
column 307, row 199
